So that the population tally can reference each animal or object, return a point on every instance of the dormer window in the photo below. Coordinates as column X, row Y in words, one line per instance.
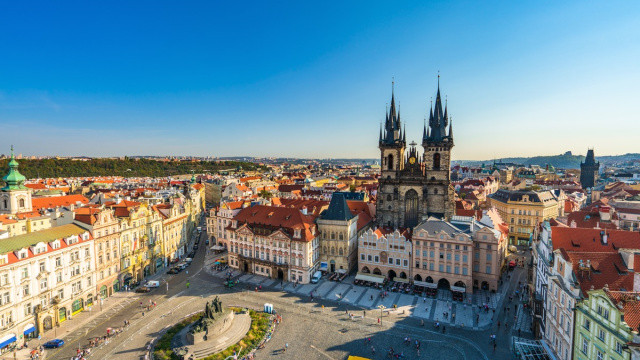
column 296, row 233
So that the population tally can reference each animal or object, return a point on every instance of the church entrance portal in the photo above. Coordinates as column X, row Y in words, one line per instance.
column 411, row 209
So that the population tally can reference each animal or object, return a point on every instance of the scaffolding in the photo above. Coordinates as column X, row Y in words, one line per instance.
column 525, row 349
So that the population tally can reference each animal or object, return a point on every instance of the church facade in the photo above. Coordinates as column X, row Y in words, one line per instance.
column 413, row 187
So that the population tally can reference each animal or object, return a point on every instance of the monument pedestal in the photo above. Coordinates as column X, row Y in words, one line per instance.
column 215, row 327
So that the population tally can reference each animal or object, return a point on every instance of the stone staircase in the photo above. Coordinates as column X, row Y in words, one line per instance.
column 239, row 328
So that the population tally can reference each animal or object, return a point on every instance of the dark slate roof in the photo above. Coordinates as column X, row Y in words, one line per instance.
column 534, row 196
column 338, row 208
column 358, row 196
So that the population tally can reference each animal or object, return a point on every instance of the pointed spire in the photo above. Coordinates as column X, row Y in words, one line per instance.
column 424, row 131
column 446, row 118
column 380, row 139
column 451, row 129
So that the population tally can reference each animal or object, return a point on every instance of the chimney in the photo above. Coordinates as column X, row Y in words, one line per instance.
column 604, row 238
column 304, row 210
column 573, row 224
column 597, row 224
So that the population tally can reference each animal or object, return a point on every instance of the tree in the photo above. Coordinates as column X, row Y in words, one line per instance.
column 265, row 194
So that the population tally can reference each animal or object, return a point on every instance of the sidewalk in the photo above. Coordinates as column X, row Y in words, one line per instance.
column 78, row 320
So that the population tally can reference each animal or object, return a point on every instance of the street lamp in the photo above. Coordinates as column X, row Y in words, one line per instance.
column 381, row 307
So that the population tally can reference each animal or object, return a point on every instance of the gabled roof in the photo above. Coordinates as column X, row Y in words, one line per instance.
column 33, row 238
column 273, row 218
column 590, row 240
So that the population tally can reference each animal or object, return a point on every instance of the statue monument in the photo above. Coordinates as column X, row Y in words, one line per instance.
column 214, row 321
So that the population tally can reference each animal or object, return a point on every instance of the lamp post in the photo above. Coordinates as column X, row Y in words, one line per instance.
column 381, row 307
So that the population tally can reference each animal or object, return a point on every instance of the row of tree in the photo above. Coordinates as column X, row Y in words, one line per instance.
column 52, row 168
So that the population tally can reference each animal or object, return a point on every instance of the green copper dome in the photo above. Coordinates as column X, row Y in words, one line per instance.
column 14, row 180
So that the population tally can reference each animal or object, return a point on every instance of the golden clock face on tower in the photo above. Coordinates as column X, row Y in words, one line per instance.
column 412, row 160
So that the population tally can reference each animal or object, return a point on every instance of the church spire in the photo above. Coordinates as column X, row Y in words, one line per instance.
column 424, row 131
column 14, row 180
column 451, row 129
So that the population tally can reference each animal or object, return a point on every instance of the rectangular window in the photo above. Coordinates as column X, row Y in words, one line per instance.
column 431, row 266
column 587, row 324
column 618, row 348
column 424, row 253
column 457, row 257
column 585, row 346
column 476, row 267
column 441, row 268
column 42, row 267
column 390, row 261
column 369, row 258
column 599, row 356
column 424, row 265
column 465, row 271
column 25, row 272
column 477, row 256
column 398, row 262
column 448, row 256
column 465, row 258
column 417, row 264
column 441, row 255
column 376, row 258
column 362, row 257
column 25, row 290
column 488, row 257
column 448, row 268
column 405, row 263
column 488, row 269
column 601, row 335
column 431, row 254
column 456, row 270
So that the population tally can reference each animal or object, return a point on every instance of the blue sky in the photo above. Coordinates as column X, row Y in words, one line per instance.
column 311, row 79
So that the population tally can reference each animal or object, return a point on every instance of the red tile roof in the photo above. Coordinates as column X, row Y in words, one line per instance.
column 630, row 306
column 589, row 219
column 589, row 240
column 274, row 218
column 57, row 201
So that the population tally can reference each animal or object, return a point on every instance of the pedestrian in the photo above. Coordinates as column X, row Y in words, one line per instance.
column 188, row 285
column 518, row 332
column 494, row 347
column 421, row 322
column 443, row 328
column 364, row 313
column 378, row 320
column 322, row 308
column 424, row 300
column 143, row 314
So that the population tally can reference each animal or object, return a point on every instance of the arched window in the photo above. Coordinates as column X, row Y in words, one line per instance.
column 6, row 205
column 324, row 250
column 333, row 236
column 388, row 197
column 21, row 203
column 436, row 161
column 340, row 236
column 340, row 251
column 390, row 162
column 333, row 251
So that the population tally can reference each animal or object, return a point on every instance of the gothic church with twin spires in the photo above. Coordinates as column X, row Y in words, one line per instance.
column 413, row 187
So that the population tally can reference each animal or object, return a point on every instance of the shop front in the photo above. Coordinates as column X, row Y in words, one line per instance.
column 77, row 306
column 62, row 315
column 29, row 332
column 7, row 342
column 116, row 285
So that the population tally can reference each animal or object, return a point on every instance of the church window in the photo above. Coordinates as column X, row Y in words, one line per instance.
column 390, row 162
column 436, row 161
column 340, row 236
column 21, row 203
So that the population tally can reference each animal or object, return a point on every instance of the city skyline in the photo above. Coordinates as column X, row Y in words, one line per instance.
column 223, row 80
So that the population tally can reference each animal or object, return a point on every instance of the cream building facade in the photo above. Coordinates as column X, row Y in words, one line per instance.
column 386, row 252
column 45, row 279
column 338, row 236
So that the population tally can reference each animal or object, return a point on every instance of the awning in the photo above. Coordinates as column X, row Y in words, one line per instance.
column 458, row 289
column 324, row 266
column 341, row 271
column 426, row 284
column 370, row 277
column 217, row 247
column 29, row 329
column 406, row 281
column 7, row 339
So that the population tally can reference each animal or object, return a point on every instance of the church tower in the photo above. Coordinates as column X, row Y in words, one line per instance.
column 589, row 170
column 14, row 196
column 437, row 143
column 391, row 143
column 410, row 189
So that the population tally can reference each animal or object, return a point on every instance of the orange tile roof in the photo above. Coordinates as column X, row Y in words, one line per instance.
column 57, row 201
column 630, row 306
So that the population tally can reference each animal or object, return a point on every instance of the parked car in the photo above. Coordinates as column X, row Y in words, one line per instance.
column 143, row 289
column 195, row 247
column 52, row 344
column 173, row 271
column 152, row 284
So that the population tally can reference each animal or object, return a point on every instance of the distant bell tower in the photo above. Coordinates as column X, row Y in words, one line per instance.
column 437, row 143
column 589, row 170
column 14, row 196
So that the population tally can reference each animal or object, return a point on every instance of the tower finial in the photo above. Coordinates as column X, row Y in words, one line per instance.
column 393, row 84
column 438, row 79
column 11, row 150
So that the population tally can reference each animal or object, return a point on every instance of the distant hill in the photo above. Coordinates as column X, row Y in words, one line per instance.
column 565, row 161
